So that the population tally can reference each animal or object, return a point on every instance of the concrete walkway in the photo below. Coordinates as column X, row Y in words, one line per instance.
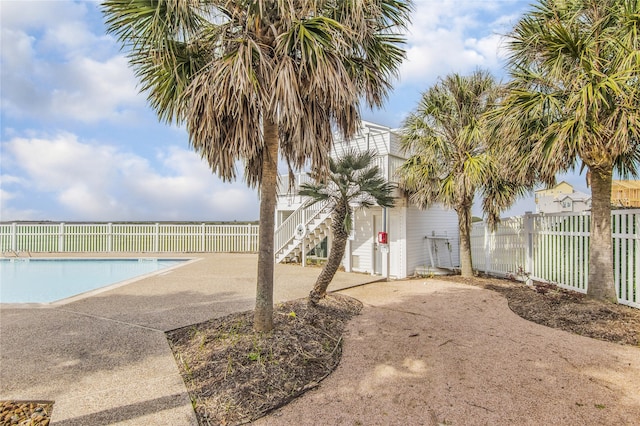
column 104, row 359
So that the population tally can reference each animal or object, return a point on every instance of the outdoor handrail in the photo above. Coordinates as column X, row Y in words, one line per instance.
column 302, row 215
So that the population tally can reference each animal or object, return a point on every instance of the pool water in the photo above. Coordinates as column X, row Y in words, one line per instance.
column 49, row 280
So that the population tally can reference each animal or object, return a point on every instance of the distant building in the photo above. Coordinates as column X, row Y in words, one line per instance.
column 625, row 193
column 562, row 198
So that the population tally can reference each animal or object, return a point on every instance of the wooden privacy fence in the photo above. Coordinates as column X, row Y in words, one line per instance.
column 127, row 237
column 555, row 248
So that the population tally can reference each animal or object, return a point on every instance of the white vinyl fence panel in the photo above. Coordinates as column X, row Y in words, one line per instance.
column 127, row 237
column 555, row 248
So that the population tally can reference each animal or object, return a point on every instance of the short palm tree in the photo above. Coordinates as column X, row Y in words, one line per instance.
column 353, row 181
column 574, row 99
column 254, row 80
column 453, row 158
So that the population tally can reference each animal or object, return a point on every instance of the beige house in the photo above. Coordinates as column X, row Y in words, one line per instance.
column 625, row 193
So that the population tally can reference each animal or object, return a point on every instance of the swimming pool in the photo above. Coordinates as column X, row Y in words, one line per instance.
column 49, row 280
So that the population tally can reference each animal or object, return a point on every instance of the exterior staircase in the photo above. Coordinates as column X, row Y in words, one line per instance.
column 304, row 229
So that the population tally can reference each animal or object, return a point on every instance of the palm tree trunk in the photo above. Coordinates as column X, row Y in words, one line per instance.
column 601, row 284
column 263, row 315
column 464, row 224
column 336, row 254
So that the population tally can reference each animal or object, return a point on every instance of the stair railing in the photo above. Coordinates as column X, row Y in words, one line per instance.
column 302, row 215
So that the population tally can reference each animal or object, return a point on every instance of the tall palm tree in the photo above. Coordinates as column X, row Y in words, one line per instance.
column 254, row 80
column 574, row 99
column 354, row 180
column 452, row 158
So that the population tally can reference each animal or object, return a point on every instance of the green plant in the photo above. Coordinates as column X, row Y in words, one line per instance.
column 254, row 356
column 229, row 369
column 187, row 368
column 203, row 341
column 256, row 353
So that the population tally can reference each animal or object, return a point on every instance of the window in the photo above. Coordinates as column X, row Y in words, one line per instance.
column 566, row 203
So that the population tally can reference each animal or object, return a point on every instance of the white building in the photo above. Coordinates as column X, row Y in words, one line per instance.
column 419, row 241
column 562, row 198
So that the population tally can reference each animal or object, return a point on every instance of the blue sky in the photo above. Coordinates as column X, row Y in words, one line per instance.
column 79, row 143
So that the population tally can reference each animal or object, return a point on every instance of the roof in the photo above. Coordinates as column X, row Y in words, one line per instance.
column 564, row 182
column 576, row 196
column 626, row 184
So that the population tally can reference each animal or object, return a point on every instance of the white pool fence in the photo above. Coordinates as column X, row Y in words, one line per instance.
column 550, row 248
column 127, row 237
column 555, row 248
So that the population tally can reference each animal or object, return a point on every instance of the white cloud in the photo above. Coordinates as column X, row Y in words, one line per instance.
column 92, row 90
column 453, row 36
column 98, row 182
column 54, row 66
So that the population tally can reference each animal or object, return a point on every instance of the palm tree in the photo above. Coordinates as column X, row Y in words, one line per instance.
column 452, row 158
column 354, row 180
column 254, row 80
column 574, row 99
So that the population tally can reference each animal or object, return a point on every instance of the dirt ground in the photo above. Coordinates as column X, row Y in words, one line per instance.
column 445, row 351
column 432, row 352
column 570, row 311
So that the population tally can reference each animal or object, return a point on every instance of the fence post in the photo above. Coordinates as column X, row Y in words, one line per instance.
column 528, row 229
column 14, row 236
column 202, row 229
column 156, row 241
column 109, row 237
column 248, row 238
column 61, row 237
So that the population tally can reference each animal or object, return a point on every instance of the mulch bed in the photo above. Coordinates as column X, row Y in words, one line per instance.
column 566, row 310
column 235, row 375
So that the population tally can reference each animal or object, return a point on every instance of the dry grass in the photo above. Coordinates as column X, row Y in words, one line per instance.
column 235, row 375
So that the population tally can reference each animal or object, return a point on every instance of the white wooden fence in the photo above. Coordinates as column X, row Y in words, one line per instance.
column 555, row 248
column 127, row 237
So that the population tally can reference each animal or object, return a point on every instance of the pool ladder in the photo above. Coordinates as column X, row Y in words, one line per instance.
column 16, row 253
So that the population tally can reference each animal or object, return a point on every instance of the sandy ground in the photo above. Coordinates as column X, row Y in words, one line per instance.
column 421, row 352
column 441, row 353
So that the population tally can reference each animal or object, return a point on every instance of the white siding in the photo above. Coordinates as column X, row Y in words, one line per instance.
column 395, row 146
column 397, row 242
column 407, row 227
column 433, row 221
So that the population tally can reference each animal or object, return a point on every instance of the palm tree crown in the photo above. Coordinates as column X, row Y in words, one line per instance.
column 258, row 79
column 574, row 98
column 452, row 157
column 226, row 67
column 354, row 180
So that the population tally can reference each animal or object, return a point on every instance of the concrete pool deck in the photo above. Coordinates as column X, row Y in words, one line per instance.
column 104, row 359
